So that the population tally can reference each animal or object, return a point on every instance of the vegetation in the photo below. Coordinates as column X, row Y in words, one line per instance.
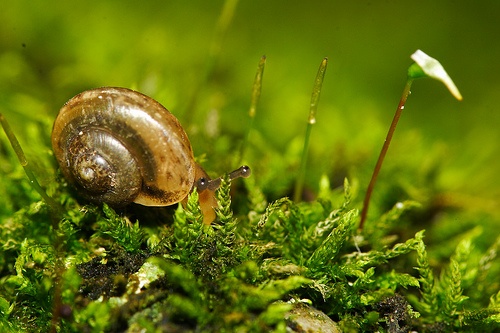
column 424, row 260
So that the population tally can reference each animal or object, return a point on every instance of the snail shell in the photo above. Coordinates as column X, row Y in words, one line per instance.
column 119, row 146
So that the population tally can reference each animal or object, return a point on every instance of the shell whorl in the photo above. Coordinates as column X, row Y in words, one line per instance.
column 117, row 145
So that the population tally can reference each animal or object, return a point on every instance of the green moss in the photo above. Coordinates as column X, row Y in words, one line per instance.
column 97, row 269
column 243, row 272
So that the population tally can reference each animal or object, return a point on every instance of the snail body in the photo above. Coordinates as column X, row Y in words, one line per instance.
column 119, row 146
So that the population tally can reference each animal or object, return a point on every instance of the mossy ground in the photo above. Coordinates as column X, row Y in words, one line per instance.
column 98, row 271
column 134, row 269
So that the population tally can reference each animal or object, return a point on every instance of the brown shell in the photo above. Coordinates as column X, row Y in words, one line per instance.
column 118, row 146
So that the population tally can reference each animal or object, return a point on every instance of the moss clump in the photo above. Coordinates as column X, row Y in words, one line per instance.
column 241, row 272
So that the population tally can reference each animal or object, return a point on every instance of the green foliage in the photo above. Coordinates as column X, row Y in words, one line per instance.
column 242, row 272
column 127, row 235
column 443, row 300
column 94, row 270
column 429, row 304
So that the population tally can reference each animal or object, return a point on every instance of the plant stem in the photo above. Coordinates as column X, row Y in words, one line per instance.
column 55, row 208
column 318, row 83
column 383, row 152
column 57, row 213
column 256, row 91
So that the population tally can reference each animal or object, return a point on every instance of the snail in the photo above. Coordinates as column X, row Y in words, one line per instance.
column 118, row 146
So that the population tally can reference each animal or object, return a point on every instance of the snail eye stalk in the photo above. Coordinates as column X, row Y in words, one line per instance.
column 212, row 185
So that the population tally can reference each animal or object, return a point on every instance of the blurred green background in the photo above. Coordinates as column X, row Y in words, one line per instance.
column 51, row 50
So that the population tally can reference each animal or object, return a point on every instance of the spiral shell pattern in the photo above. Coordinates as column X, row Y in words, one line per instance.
column 118, row 146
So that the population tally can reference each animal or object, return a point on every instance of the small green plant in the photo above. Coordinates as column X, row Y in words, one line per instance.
column 256, row 91
column 424, row 66
column 318, row 83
